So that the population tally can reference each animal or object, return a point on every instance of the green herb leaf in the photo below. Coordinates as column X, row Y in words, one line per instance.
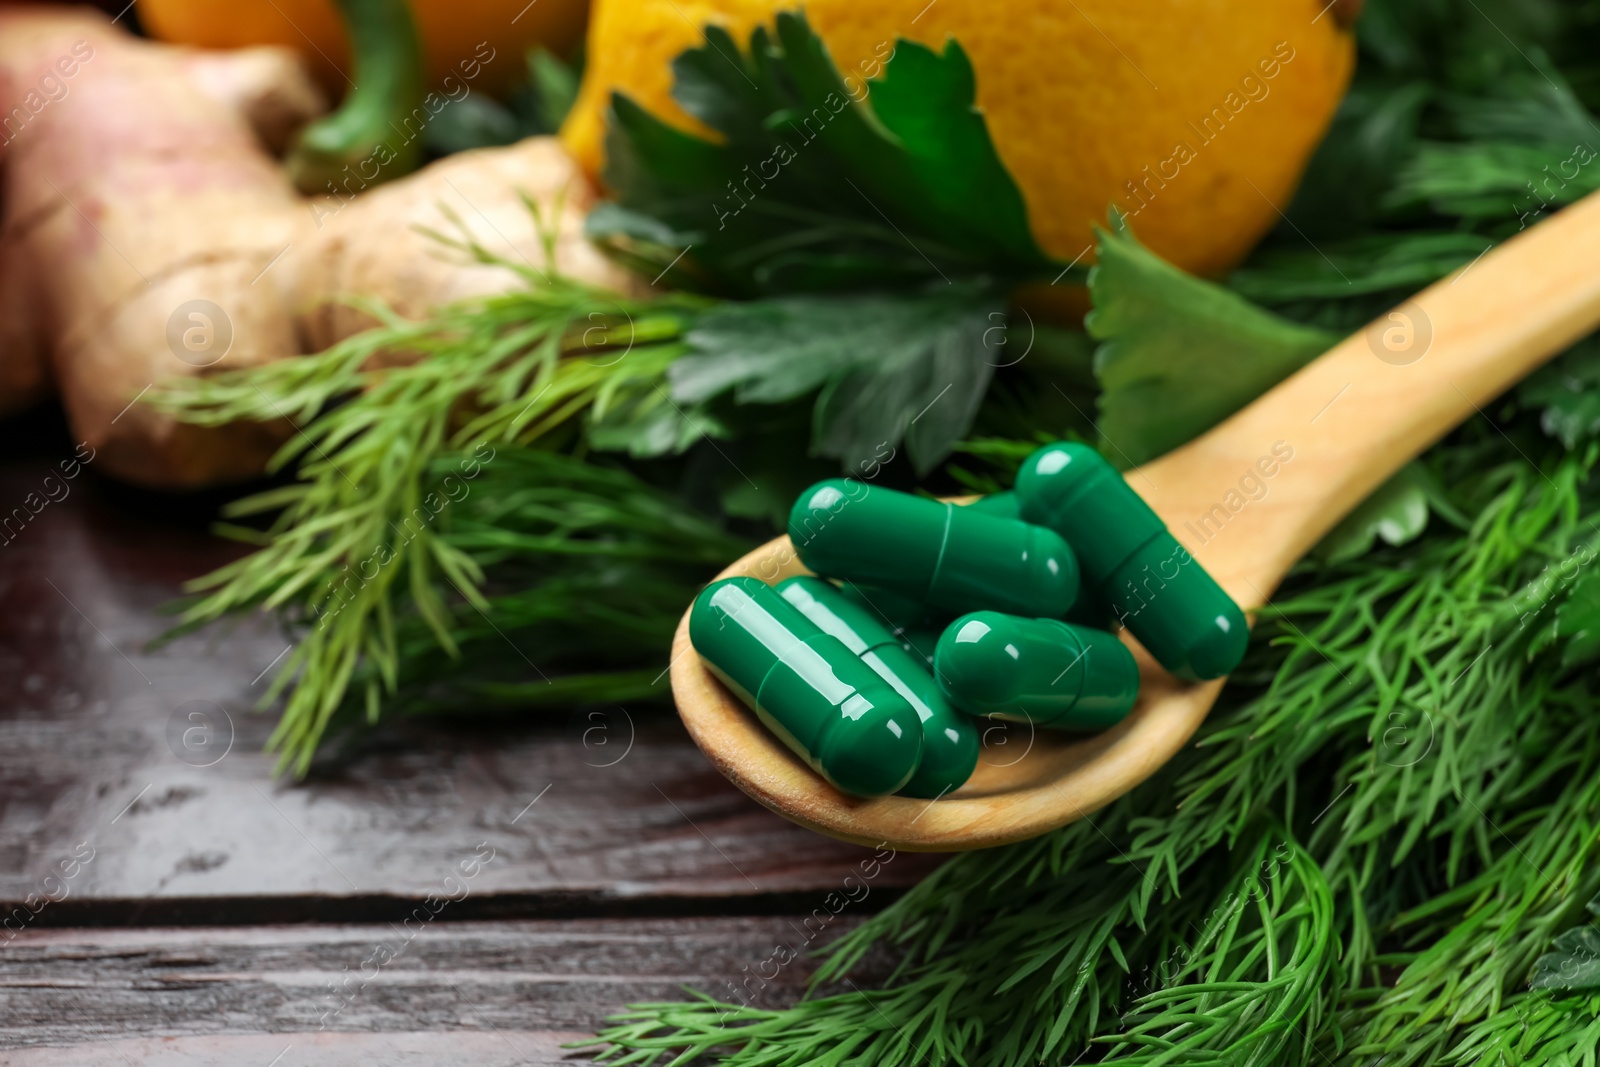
column 1178, row 354
column 473, row 121
column 1573, row 961
column 555, row 86
column 1373, row 134
column 1568, row 392
column 587, row 566
column 1377, row 263
column 649, row 423
column 814, row 187
column 1481, row 180
column 541, row 102
column 1396, row 513
column 766, row 472
column 1575, row 623
column 890, row 367
column 1457, row 131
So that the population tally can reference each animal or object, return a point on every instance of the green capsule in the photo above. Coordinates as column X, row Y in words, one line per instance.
column 949, row 738
column 1176, row 610
column 1002, row 505
column 831, row 709
column 914, row 626
column 1092, row 611
column 921, row 642
column 898, row 613
column 1043, row 671
column 1089, row 609
column 952, row 559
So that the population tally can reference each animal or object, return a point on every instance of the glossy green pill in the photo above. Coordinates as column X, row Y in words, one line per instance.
column 1042, row 671
column 953, row 559
column 1089, row 609
column 914, row 626
column 1176, row 610
column 949, row 738
column 1005, row 505
column 898, row 613
column 832, row 710
column 921, row 642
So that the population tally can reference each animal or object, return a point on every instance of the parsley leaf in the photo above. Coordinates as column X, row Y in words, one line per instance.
column 1396, row 513
column 553, row 86
column 1578, row 621
column 649, row 424
column 1573, row 961
column 1177, row 354
column 890, row 367
column 813, row 188
column 1574, row 624
column 1568, row 390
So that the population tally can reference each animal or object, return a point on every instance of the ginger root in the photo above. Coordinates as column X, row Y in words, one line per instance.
column 147, row 232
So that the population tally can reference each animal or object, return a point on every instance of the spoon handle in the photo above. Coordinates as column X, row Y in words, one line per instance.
column 1356, row 414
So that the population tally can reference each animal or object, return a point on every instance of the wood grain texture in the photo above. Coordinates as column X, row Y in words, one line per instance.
column 1347, row 421
column 626, row 816
column 505, row 1048
column 309, row 984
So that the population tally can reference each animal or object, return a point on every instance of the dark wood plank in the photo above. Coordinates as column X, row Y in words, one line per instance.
column 611, row 813
column 497, row 1049
column 558, row 980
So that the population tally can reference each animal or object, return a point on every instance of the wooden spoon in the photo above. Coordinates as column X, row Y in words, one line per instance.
column 1348, row 420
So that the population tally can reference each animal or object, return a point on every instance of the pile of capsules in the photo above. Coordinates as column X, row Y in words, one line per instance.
column 871, row 683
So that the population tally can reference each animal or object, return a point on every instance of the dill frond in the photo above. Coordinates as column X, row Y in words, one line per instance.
column 354, row 534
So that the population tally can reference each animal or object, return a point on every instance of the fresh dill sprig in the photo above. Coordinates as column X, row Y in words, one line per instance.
column 587, row 569
column 354, row 534
column 1257, row 975
column 1534, row 1028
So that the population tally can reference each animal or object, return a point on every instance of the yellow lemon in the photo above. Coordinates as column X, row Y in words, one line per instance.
column 1194, row 117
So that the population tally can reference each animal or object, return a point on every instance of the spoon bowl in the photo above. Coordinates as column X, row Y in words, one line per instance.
column 1024, row 778
column 1247, row 500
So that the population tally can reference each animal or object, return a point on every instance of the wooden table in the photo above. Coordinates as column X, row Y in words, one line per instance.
column 528, row 876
